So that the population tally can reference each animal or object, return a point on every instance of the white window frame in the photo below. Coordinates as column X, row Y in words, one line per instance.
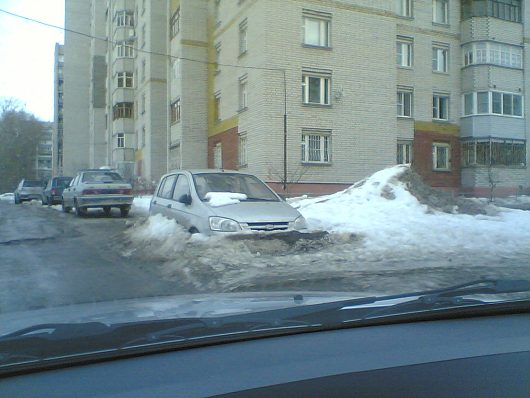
column 316, row 146
column 243, row 93
column 323, row 21
column 125, row 79
column 217, row 57
column 243, row 36
column 440, row 102
column 175, row 111
column 125, row 18
column 404, row 8
column 440, row 59
column 217, row 107
column 440, row 19
column 404, row 52
column 404, row 152
column 174, row 24
column 218, row 156
column 324, row 88
column 447, row 148
column 492, row 53
column 490, row 94
column 124, row 49
column 120, row 140
column 243, row 144
column 401, row 102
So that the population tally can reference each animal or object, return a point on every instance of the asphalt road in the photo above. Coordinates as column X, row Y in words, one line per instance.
column 49, row 258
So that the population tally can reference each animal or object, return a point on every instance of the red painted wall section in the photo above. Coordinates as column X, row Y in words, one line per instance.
column 229, row 140
column 422, row 163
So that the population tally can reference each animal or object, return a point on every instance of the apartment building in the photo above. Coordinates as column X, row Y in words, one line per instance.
column 312, row 95
column 58, row 128
column 43, row 160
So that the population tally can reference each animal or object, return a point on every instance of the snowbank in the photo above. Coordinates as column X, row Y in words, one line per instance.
column 391, row 219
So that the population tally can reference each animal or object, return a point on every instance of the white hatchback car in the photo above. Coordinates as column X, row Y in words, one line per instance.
column 218, row 201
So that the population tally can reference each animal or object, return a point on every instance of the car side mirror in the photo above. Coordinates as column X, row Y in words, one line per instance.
column 186, row 199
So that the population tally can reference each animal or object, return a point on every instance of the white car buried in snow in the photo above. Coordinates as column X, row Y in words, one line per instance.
column 97, row 189
column 218, row 201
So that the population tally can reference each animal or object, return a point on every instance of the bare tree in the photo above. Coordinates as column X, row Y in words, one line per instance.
column 293, row 177
column 492, row 181
column 19, row 136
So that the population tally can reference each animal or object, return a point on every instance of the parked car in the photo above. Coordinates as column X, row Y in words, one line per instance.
column 28, row 190
column 214, row 201
column 54, row 190
column 95, row 188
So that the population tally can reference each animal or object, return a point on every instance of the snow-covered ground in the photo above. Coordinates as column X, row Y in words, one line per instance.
column 376, row 226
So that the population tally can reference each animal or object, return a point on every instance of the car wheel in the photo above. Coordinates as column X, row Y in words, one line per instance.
column 17, row 200
column 124, row 211
column 193, row 230
column 65, row 208
column 44, row 200
column 79, row 211
column 106, row 210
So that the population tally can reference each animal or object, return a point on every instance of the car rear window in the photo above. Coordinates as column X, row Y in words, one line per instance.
column 62, row 182
column 32, row 183
column 101, row 176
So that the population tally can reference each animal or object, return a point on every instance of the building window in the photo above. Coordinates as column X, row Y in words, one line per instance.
column 509, row 10
column 124, row 50
column 218, row 156
column 493, row 152
column 404, row 48
column 142, row 104
column 243, row 95
column 440, row 107
column 122, row 110
column 243, row 37
column 243, row 149
column 493, row 53
column 144, row 35
column 143, row 136
column 404, row 103
column 404, row 152
column 125, row 79
column 143, row 69
column 217, row 108
column 121, row 140
column 175, row 111
column 316, row 89
column 440, row 61
column 174, row 24
column 440, row 11
column 404, row 8
column 217, row 57
column 125, row 18
column 441, row 154
column 493, row 103
column 217, row 12
column 317, row 29
column 316, row 146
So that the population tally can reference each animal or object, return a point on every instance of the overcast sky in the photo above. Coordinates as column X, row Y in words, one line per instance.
column 27, row 51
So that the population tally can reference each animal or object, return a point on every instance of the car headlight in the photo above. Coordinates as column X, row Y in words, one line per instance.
column 300, row 223
column 224, row 224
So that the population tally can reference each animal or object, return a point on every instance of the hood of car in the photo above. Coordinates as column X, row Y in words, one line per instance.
column 156, row 308
column 248, row 211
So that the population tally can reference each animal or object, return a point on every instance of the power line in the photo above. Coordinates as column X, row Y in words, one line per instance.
column 137, row 49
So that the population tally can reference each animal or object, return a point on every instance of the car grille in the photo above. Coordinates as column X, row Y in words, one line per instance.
column 268, row 226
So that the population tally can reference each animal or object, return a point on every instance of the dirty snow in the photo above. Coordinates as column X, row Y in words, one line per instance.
column 379, row 233
column 218, row 199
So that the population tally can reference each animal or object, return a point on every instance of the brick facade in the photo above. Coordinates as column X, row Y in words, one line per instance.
column 229, row 141
column 423, row 164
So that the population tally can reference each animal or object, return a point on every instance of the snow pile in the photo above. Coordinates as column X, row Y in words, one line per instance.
column 141, row 205
column 393, row 221
column 218, row 199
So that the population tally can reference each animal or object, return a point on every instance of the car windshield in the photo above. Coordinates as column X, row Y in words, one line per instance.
column 32, row 184
column 232, row 157
column 100, row 176
column 248, row 185
column 62, row 182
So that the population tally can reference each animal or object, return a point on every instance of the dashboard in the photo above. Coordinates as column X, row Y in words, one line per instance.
column 472, row 357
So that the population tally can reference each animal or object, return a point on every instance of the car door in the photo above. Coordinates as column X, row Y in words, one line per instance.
column 162, row 202
column 68, row 197
column 182, row 212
